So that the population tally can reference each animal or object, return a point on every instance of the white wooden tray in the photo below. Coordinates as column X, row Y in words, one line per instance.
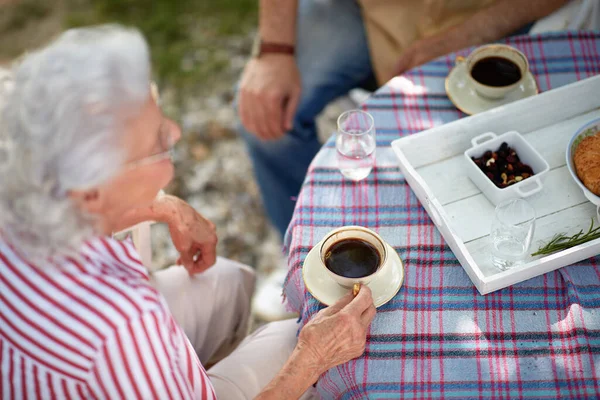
column 433, row 165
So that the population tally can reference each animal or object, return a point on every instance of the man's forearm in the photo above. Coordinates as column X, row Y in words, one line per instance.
column 277, row 21
column 499, row 20
column 298, row 374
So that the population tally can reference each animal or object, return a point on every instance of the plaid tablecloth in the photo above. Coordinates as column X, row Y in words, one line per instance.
column 438, row 337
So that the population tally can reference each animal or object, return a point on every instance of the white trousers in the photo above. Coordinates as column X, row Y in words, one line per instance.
column 213, row 309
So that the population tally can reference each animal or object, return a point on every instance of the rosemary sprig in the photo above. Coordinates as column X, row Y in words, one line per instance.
column 561, row 241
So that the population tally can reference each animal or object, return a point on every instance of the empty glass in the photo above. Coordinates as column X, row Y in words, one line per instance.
column 355, row 144
column 512, row 232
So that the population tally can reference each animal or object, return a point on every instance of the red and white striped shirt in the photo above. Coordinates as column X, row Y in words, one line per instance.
column 91, row 327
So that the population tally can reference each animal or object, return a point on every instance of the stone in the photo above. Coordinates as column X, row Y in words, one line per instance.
column 200, row 151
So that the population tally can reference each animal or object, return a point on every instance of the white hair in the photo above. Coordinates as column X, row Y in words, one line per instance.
column 61, row 117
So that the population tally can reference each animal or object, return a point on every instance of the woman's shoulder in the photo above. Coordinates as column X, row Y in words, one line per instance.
column 113, row 282
column 89, row 291
column 70, row 309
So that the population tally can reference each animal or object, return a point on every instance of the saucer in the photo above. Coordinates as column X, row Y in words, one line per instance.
column 463, row 95
column 384, row 286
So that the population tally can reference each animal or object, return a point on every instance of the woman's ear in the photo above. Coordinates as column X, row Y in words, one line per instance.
column 90, row 200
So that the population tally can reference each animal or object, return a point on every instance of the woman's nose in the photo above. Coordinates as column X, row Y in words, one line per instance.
column 175, row 131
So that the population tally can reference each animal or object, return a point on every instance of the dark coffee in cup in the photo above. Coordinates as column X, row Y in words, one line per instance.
column 352, row 258
column 496, row 71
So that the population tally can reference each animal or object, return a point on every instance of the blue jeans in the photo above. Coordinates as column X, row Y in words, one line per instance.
column 333, row 57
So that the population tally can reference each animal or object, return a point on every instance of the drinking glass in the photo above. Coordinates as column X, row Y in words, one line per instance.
column 355, row 144
column 512, row 232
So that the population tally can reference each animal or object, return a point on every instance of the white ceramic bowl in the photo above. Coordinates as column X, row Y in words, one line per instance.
column 591, row 128
column 527, row 154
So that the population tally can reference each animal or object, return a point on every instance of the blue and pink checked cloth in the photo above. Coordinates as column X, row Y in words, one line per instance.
column 438, row 337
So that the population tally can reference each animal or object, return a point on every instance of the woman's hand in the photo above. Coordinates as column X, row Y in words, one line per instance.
column 338, row 333
column 334, row 336
column 193, row 235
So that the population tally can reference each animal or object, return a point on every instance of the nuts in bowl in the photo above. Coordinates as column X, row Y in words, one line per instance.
column 505, row 166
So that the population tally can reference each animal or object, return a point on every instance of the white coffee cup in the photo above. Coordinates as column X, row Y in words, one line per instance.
column 495, row 50
column 353, row 232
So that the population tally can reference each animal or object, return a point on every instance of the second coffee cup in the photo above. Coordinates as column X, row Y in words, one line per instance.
column 495, row 70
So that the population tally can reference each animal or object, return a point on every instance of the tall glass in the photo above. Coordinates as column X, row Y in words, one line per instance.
column 512, row 232
column 355, row 144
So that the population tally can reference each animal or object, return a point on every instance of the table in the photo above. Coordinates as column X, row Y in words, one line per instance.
column 438, row 337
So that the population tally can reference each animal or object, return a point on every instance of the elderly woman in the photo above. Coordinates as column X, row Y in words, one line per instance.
column 84, row 152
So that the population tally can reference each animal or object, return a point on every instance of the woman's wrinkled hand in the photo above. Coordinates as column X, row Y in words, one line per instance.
column 338, row 333
column 193, row 235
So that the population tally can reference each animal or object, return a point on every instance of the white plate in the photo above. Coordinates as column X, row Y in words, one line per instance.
column 323, row 288
column 463, row 95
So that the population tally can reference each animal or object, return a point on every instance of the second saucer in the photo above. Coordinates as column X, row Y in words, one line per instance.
column 462, row 94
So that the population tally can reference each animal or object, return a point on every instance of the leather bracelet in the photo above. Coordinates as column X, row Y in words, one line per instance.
column 266, row 47
column 260, row 47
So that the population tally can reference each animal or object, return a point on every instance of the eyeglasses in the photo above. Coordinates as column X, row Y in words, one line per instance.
column 165, row 139
column 166, row 143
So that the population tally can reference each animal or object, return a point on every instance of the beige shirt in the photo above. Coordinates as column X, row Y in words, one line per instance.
column 392, row 25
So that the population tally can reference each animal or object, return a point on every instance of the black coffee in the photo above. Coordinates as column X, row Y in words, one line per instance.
column 496, row 71
column 352, row 258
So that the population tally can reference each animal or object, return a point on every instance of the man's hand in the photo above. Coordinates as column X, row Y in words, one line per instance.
column 269, row 95
column 193, row 236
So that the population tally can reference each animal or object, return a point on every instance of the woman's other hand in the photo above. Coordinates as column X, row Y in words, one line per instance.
column 338, row 333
